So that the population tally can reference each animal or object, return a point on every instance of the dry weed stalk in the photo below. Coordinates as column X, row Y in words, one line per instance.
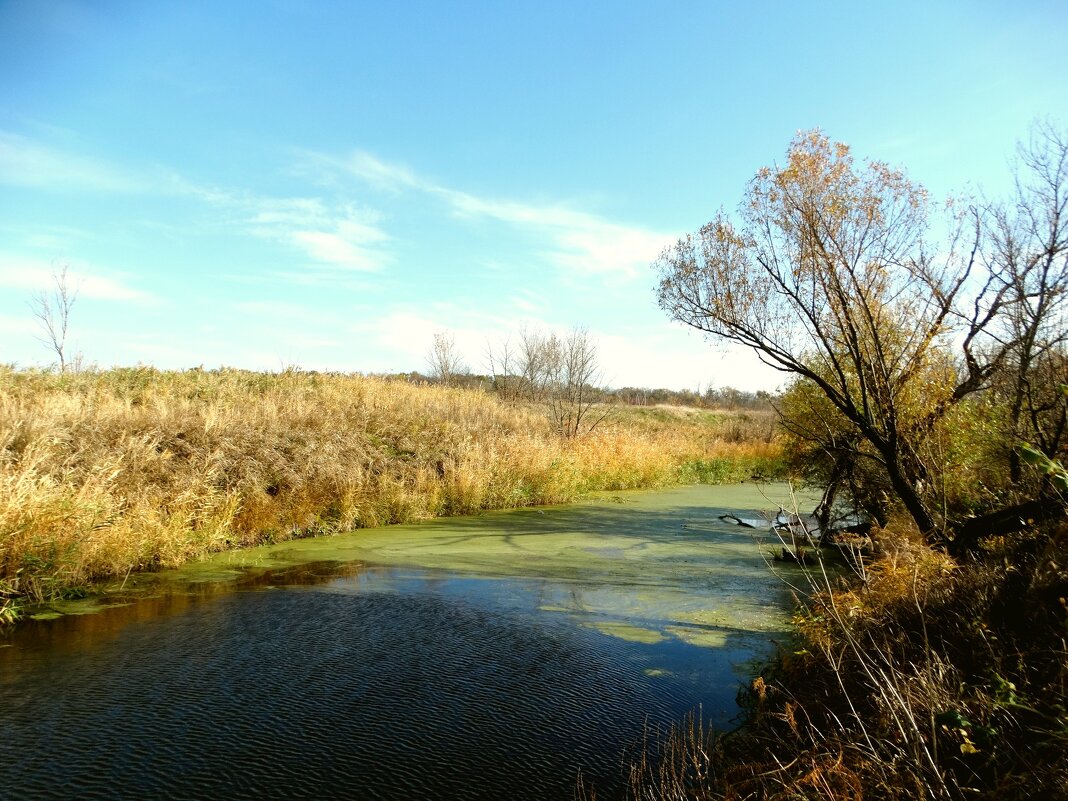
column 903, row 696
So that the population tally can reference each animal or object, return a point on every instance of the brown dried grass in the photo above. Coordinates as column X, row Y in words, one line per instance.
column 104, row 472
column 928, row 680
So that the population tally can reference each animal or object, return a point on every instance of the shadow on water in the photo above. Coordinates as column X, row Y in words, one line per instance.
column 485, row 657
column 89, row 622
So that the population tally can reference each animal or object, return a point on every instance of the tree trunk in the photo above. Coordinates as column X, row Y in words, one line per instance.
column 1005, row 521
column 907, row 491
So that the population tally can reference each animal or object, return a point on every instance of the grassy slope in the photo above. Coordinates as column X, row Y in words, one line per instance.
column 106, row 472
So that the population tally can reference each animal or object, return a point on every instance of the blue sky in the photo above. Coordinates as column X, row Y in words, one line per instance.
column 266, row 184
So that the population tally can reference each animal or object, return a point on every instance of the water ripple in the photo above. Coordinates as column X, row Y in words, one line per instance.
column 432, row 693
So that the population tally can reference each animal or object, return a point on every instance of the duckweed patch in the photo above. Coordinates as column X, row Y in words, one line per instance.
column 625, row 631
column 701, row 637
column 659, row 562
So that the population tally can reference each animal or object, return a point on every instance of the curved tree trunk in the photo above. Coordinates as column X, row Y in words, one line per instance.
column 1005, row 521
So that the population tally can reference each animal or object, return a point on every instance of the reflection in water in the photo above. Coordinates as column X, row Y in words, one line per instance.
column 103, row 621
column 432, row 669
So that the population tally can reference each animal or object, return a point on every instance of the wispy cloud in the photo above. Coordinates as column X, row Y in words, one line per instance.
column 336, row 236
column 527, row 303
column 331, row 235
column 45, row 237
column 374, row 171
column 26, row 163
column 341, row 237
column 577, row 240
column 32, row 275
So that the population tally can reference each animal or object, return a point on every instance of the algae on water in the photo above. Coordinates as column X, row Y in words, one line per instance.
column 644, row 566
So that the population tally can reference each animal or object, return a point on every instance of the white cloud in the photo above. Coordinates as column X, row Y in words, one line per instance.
column 94, row 286
column 330, row 235
column 663, row 359
column 386, row 176
column 577, row 239
column 348, row 243
column 404, row 333
column 335, row 280
column 165, row 355
column 526, row 304
column 401, row 339
column 339, row 235
column 605, row 247
column 274, row 309
column 48, row 238
column 266, row 211
column 334, row 236
column 34, row 275
column 18, row 325
column 29, row 164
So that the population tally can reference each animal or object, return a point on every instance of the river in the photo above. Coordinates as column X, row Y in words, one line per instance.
column 487, row 657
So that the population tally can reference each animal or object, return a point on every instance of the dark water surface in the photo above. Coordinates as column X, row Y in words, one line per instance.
column 483, row 658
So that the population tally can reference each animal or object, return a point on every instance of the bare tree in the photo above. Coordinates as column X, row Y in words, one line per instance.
column 537, row 351
column 1029, row 252
column 573, row 375
column 52, row 308
column 1028, row 257
column 522, row 372
column 444, row 359
column 560, row 372
column 504, row 371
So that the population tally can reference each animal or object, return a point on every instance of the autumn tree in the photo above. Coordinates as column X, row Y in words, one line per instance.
column 827, row 276
column 825, row 450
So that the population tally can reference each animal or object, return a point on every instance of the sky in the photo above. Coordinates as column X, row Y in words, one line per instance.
column 327, row 185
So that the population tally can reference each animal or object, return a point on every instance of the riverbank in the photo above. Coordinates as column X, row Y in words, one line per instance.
column 488, row 656
column 103, row 473
column 928, row 679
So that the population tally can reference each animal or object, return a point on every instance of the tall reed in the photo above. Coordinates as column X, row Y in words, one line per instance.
column 104, row 472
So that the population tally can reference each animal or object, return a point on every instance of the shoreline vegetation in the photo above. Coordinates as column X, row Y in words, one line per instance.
column 929, row 396
column 105, row 472
column 917, row 677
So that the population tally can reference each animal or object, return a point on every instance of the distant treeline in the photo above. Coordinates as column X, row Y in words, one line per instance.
column 711, row 398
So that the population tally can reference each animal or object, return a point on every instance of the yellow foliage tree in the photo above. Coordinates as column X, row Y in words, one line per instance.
column 827, row 276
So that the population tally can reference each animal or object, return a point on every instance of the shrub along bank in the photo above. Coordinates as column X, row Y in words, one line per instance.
column 925, row 680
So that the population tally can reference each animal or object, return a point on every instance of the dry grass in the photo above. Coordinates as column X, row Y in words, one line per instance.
column 106, row 472
column 928, row 680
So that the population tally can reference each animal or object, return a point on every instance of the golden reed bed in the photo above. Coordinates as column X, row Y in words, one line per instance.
column 104, row 472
